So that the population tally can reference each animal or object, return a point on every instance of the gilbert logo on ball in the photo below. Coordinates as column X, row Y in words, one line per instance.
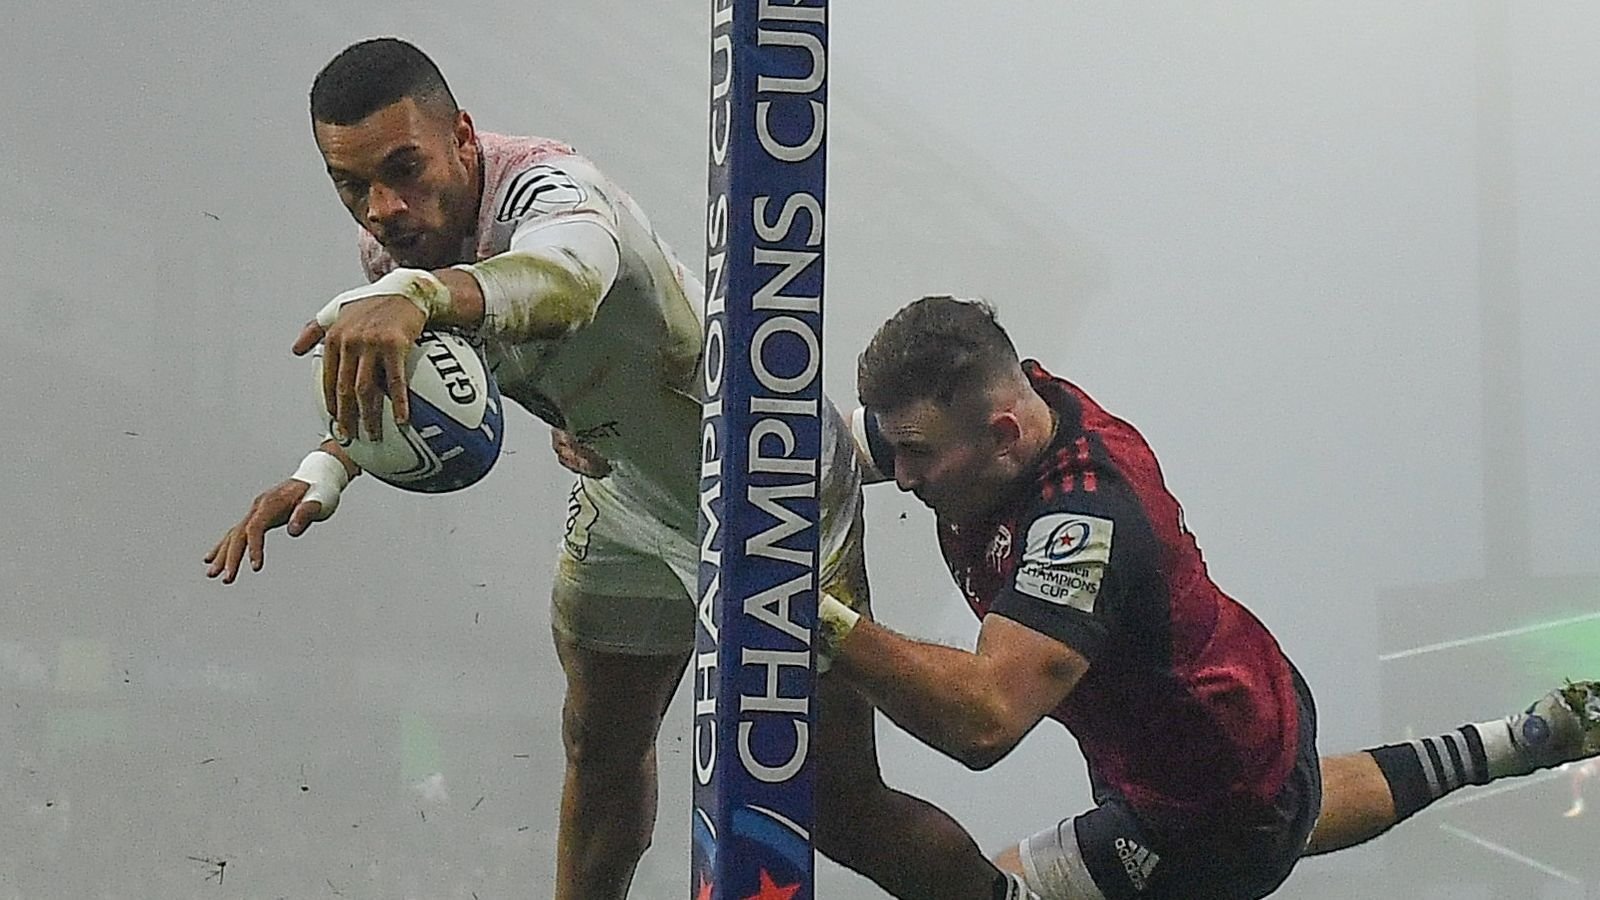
column 454, row 435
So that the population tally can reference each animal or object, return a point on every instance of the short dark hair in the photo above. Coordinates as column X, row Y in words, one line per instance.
column 369, row 75
column 933, row 349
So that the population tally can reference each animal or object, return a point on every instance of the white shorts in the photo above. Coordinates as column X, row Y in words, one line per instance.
column 625, row 578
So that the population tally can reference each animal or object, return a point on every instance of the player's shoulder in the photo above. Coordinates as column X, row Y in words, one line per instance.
column 1075, row 487
column 530, row 177
column 1065, row 534
column 1061, row 546
column 1071, row 486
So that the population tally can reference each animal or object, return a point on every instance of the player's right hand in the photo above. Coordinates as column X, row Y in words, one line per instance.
column 279, row 505
column 364, row 355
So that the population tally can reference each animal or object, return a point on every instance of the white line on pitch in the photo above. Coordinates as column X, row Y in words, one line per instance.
column 1509, row 853
column 1493, row 636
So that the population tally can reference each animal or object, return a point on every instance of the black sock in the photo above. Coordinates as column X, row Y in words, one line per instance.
column 1421, row 771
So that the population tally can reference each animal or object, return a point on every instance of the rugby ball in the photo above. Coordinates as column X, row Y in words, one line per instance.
column 453, row 438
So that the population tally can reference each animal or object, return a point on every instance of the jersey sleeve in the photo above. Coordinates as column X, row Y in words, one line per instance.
column 1072, row 564
column 562, row 255
column 875, row 452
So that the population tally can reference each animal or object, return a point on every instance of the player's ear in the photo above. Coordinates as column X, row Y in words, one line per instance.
column 466, row 134
column 1005, row 430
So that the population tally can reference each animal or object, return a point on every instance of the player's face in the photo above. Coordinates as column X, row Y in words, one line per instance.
column 409, row 175
column 947, row 457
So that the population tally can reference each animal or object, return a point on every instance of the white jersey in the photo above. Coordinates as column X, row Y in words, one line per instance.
column 624, row 379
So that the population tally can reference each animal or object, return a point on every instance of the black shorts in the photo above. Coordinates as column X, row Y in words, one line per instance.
column 1132, row 856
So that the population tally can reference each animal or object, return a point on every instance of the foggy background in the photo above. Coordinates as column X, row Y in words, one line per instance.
column 1335, row 260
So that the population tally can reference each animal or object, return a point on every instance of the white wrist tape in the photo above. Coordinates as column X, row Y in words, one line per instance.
column 327, row 477
column 421, row 287
column 835, row 621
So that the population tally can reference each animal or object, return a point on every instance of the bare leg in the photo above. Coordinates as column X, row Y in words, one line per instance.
column 1365, row 794
column 907, row 846
column 1356, row 804
column 613, row 711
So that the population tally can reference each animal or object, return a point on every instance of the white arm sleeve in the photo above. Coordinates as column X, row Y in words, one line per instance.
column 860, row 432
column 551, row 280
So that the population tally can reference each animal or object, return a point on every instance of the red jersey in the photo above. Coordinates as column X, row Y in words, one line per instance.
column 1189, row 706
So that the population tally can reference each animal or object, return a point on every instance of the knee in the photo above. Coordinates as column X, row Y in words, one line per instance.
column 603, row 743
column 847, row 827
column 842, row 844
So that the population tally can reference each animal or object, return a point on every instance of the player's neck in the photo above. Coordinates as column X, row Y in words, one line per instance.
column 469, row 240
column 482, row 167
column 1039, row 425
column 1037, row 422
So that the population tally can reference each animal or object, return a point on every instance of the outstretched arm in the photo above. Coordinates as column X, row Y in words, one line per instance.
column 310, row 495
column 547, row 285
column 974, row 707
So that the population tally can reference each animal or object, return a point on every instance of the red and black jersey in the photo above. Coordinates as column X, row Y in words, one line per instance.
column 1188, row 707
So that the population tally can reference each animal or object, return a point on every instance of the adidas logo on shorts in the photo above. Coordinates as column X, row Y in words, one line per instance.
column 1139, row 862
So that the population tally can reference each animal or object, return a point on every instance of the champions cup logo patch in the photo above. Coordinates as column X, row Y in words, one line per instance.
column 1064, row 559
column 999, row 547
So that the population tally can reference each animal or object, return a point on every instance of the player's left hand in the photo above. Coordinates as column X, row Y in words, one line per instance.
column 837, row 617
column 575, row 457
column 364, row 358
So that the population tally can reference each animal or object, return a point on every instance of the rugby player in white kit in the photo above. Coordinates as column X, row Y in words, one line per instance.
column 590, row 322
